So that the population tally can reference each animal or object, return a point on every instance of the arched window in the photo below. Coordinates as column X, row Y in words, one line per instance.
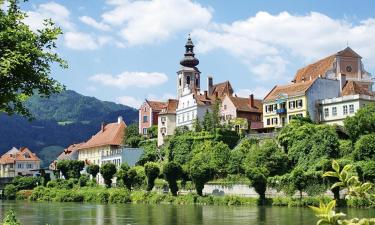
column 188, row 80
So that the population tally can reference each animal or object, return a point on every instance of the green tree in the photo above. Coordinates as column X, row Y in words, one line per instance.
column 200, row 171
column 172, row 172
column 238, row 155
column 10, row 191
column 70, row 168
column 126, row 175
column 152, row 132
column 262, row 162
column 208, row 122
column 363, row 122
column 93, row 170
column 197, row 125
column 107, row 171
column 152, row 171
column 132, row 136
column 365, row 147
column 25, row 60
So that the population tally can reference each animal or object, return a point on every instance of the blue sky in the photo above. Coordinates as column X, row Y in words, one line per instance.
column 126, row 51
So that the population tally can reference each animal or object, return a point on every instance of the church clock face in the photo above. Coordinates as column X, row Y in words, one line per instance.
column 349, row 69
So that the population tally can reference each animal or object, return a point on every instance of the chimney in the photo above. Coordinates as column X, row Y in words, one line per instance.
column 119, row 119
column 251, row 98
column 209, row 84
column 102, row 128
column 205, row 95
column 342, row 81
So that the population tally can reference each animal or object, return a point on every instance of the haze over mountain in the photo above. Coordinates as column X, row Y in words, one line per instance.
column 60, row 120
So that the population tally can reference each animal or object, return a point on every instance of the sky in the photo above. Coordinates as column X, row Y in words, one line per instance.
column 126, row 51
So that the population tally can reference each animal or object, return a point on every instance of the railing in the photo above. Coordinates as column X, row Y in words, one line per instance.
column 281, row 111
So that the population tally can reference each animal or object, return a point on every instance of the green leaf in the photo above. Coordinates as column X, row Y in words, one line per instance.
column 335, row 166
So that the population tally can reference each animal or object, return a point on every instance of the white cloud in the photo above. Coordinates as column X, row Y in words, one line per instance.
column 58, row 13
column 267, row 43
column 131, row 79
column 163, row 97
column 130, row 101
column 144, row 22
column 84, row 41
column 93, row 23
column 259, row 92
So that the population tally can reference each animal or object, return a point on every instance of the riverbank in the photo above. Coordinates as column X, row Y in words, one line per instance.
column 120, row 195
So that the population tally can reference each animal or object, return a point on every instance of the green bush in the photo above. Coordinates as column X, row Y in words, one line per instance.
column 10, row 218
column 152, row 171
column 61, row 183
column 83, row 180
column 365, row 147
column 26, row 183
column 107, row 171
column 23, row 194
column 119, row 196
column 10, row 191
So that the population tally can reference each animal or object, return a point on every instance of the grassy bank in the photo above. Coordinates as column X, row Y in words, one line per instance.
column 118, row 195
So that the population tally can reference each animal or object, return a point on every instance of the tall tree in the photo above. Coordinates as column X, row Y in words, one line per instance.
column 25, row 60
column 107, row 171
column 363, row 122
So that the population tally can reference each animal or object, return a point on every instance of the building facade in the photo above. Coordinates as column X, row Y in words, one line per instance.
column 167, row 121
column 148, row 115
column 19, row 162
column 324, row 79
column 248, row 109
column 70, row 153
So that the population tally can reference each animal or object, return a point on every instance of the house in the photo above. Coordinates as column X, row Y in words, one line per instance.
column 122, row 155
column 167, row 121
column 148, row 115
column 324, row 79
column 234, row 108
column 108, row 140
column 284, row 102
column 353, row 97
column 70, row 153
column 18, row 162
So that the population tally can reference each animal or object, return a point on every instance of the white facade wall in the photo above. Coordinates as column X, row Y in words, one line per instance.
column 188, row 110
column 343, row 106
column 166, row 126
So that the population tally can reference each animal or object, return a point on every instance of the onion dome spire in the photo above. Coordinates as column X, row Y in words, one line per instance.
column 189, row 60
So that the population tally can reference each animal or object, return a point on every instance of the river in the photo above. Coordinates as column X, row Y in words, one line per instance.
column 42, row 213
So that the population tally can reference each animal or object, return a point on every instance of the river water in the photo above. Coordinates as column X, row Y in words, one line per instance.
column 30, row 213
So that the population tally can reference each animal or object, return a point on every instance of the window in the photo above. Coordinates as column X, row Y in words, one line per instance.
column 144, row 130
column 187, row 104
column 274, row 120
column 29, row 166
column 163, row 119
column 179, row 81
column 11, row 166
column 345, row 109
column 188, row 116
column 326, row 112
column 196, row 82
column 144, row 119
column 274, row 107
column 144, row 109
column 291, row 105
column 268, row 122
column 183, row 117
column 225, row 107
column 351, row 108
column 163, row 130
column 299, row 103
column 334, row 111
column 188, row 80
column 20, row 166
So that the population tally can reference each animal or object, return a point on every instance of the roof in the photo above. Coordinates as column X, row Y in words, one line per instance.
column 321, row 67
column 170, row 107
column 66, row 154
column 23, row 154
column 222, row 89
column 203, row 99
column 112, row 134
column 243, row 104
column 293, row 89
column 354, row 88
column 155, row 105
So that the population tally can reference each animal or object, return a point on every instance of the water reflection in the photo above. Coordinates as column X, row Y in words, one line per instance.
column 30, row 213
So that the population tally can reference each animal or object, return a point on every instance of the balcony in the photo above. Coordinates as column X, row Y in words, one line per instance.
column 281, row 111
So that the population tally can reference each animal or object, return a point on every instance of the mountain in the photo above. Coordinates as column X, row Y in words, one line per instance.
column 60, row 120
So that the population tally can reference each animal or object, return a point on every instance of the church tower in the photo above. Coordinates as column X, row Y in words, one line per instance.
column 188, row 77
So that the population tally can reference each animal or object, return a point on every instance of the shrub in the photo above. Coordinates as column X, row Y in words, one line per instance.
column 365, row 147
column 61, row 183
column 10, row 218
column 93, row 170
column 103, row 197
column 107, row 171
column 23, row 194
column 152, row 172
column 10, row 191
column 119, row 196
column 26, row 183
column 83, row 180
column 172, row 171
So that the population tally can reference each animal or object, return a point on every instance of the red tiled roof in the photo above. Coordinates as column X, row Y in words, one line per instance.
column 222, row 89
column 170, row 107
column 293, row 89
column 156, row 106
column 243, row 104
column 69, row 150
column 23, row 154
column 321, row 67
column 354, row 88
column 112, row 134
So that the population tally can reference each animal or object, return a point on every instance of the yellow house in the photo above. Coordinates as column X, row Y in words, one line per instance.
column 296, row 99
column 106, row 142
